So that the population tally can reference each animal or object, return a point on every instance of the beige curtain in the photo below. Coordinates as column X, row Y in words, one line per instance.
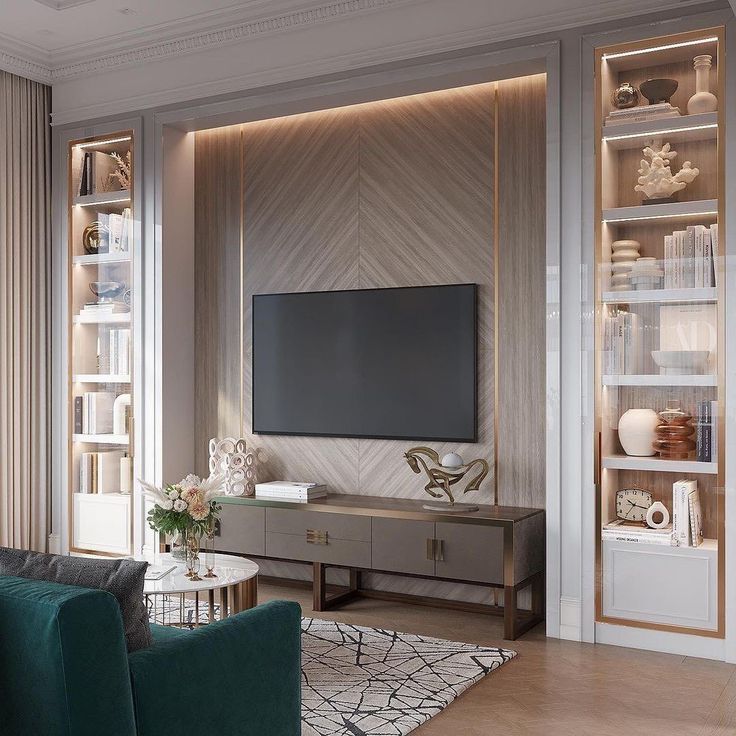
column 25, row 233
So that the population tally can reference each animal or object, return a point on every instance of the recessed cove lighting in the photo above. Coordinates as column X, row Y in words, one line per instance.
column 664, row 47
column 659, row 217
column 103, row 143
column 63, row 4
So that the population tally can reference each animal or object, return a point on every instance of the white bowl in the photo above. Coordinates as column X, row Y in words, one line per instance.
column 681, row 362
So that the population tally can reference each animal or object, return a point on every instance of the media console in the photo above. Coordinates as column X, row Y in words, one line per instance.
column 498, row 547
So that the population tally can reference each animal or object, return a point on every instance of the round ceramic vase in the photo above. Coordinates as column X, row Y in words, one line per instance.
column 636, row 432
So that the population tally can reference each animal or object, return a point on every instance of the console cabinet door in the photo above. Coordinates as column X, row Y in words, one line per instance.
column 470, row 552
column 400, row 545
column 242, row 530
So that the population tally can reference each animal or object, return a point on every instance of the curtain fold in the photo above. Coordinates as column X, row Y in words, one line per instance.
column 25, row 260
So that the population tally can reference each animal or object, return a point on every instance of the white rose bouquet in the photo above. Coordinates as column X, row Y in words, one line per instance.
column 185, row 507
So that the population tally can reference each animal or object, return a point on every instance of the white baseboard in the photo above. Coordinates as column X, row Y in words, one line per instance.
column 54, row 543
column 660, row 641
column 571, row 619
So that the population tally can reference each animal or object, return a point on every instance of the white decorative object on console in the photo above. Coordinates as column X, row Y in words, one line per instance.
column 636, row 432
column 658, row 508
column 232, row 457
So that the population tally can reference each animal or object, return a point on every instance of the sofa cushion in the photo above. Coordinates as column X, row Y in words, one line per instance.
column 123, row 578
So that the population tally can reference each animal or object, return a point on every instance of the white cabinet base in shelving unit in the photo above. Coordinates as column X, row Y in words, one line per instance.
column 102, row 522
column 672, row 586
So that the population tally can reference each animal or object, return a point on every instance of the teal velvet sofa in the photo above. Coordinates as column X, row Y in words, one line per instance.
column 65, row 671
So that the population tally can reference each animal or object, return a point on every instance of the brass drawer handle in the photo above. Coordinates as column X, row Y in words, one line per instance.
column 315, row 536
column 439, row 550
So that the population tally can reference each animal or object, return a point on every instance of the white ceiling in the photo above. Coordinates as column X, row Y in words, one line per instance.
column 42, row 42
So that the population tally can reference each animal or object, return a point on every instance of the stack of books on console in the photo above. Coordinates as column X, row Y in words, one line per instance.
column 287, row 490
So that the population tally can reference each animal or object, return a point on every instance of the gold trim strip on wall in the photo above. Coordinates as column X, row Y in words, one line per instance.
column 496, row 301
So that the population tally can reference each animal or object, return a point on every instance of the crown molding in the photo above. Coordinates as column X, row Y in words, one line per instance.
column 223, row 30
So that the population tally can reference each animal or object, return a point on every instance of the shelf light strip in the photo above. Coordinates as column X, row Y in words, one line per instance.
column 90, row 144
column 665, row 47
column 103, row 201
column 660, row 217
column 658, row 132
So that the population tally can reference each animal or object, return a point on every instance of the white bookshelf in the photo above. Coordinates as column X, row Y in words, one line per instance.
column 661, row 296
column 657, row 464
column 96, row 259
column 101, row 199
column 102, row 439
column 671, row 212
column 101, row 522
column 102, row 319
column 99, row 378
column 659, row 380
column 700, row 127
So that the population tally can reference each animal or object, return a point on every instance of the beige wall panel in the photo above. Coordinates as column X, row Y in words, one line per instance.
column 522, row 291
column 217, row 197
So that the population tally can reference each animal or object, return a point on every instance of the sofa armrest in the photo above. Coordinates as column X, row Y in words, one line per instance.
column 237, row 677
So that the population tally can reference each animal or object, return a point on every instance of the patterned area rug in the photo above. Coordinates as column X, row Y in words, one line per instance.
column 359, row 681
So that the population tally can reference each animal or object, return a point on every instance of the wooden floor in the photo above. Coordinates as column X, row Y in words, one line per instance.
column 556, row 688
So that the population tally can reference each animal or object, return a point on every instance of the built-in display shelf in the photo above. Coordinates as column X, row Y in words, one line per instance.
column 96, row 259
column 698, row 209
column 701, row 127
column 102, row 439
column 101, row 198
column 99, row 378
column 710, row 545
column 658, row 464
column 661, row 296
column 99, row 319
column 656, row 379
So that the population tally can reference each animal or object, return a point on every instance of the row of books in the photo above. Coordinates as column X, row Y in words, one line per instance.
column 116, row 231
column 106, row 471
column 621, row 344
column 685, row 529
column 690, row 257
column 93, row 412
column 287, row 490
column 706, row 431
column 113, row 352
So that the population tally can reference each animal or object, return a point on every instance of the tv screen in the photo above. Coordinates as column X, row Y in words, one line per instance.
column 395, row 363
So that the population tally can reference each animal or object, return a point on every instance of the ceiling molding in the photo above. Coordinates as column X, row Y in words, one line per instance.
column 70, row 64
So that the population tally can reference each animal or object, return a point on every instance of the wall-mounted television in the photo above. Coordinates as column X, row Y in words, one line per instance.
column 396, row 363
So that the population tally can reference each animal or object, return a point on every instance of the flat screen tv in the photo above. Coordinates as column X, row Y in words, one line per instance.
column 396, row 363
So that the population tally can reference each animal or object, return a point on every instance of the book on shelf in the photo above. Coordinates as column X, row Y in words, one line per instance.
column 290, row 490
column 95, row 176
column 120, row 352
column 696, row 518
column 126, row 231
column 97, row 412
column 706, row 431
column 621, row 344
column 714, row 253
column 99, row 472
column 78, row 413
column 688, row 258
column 642, row 113
column 683, row 525
column 623, row 530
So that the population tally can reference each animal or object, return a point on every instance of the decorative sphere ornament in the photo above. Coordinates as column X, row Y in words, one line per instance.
column 452, row 460
column 624, row 96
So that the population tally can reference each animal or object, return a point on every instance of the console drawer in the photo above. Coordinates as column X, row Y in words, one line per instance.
column 337, row 526
column 242, row 530
column 347, row 552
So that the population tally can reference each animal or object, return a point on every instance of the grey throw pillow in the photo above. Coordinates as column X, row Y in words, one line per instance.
column 123, row 578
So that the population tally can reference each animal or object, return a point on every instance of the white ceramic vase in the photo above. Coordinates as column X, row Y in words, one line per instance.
column 703, row 100
column 636, row 432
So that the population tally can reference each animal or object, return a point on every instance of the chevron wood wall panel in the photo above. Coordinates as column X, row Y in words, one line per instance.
column 394, row 193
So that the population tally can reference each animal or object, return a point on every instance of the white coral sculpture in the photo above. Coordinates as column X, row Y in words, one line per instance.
column 123, row 171
column 656, row 180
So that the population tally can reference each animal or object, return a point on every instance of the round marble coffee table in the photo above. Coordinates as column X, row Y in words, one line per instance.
column 236, row 582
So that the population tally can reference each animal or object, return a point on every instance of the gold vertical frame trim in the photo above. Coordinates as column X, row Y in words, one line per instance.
column 496, row 281
column 71, row 145
column 241, row 156
column 600, row 52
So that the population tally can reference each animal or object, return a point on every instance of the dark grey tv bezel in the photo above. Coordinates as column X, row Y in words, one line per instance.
column 424, row 438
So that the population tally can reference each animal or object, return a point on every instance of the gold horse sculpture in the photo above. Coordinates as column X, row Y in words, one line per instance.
column 442, row 479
